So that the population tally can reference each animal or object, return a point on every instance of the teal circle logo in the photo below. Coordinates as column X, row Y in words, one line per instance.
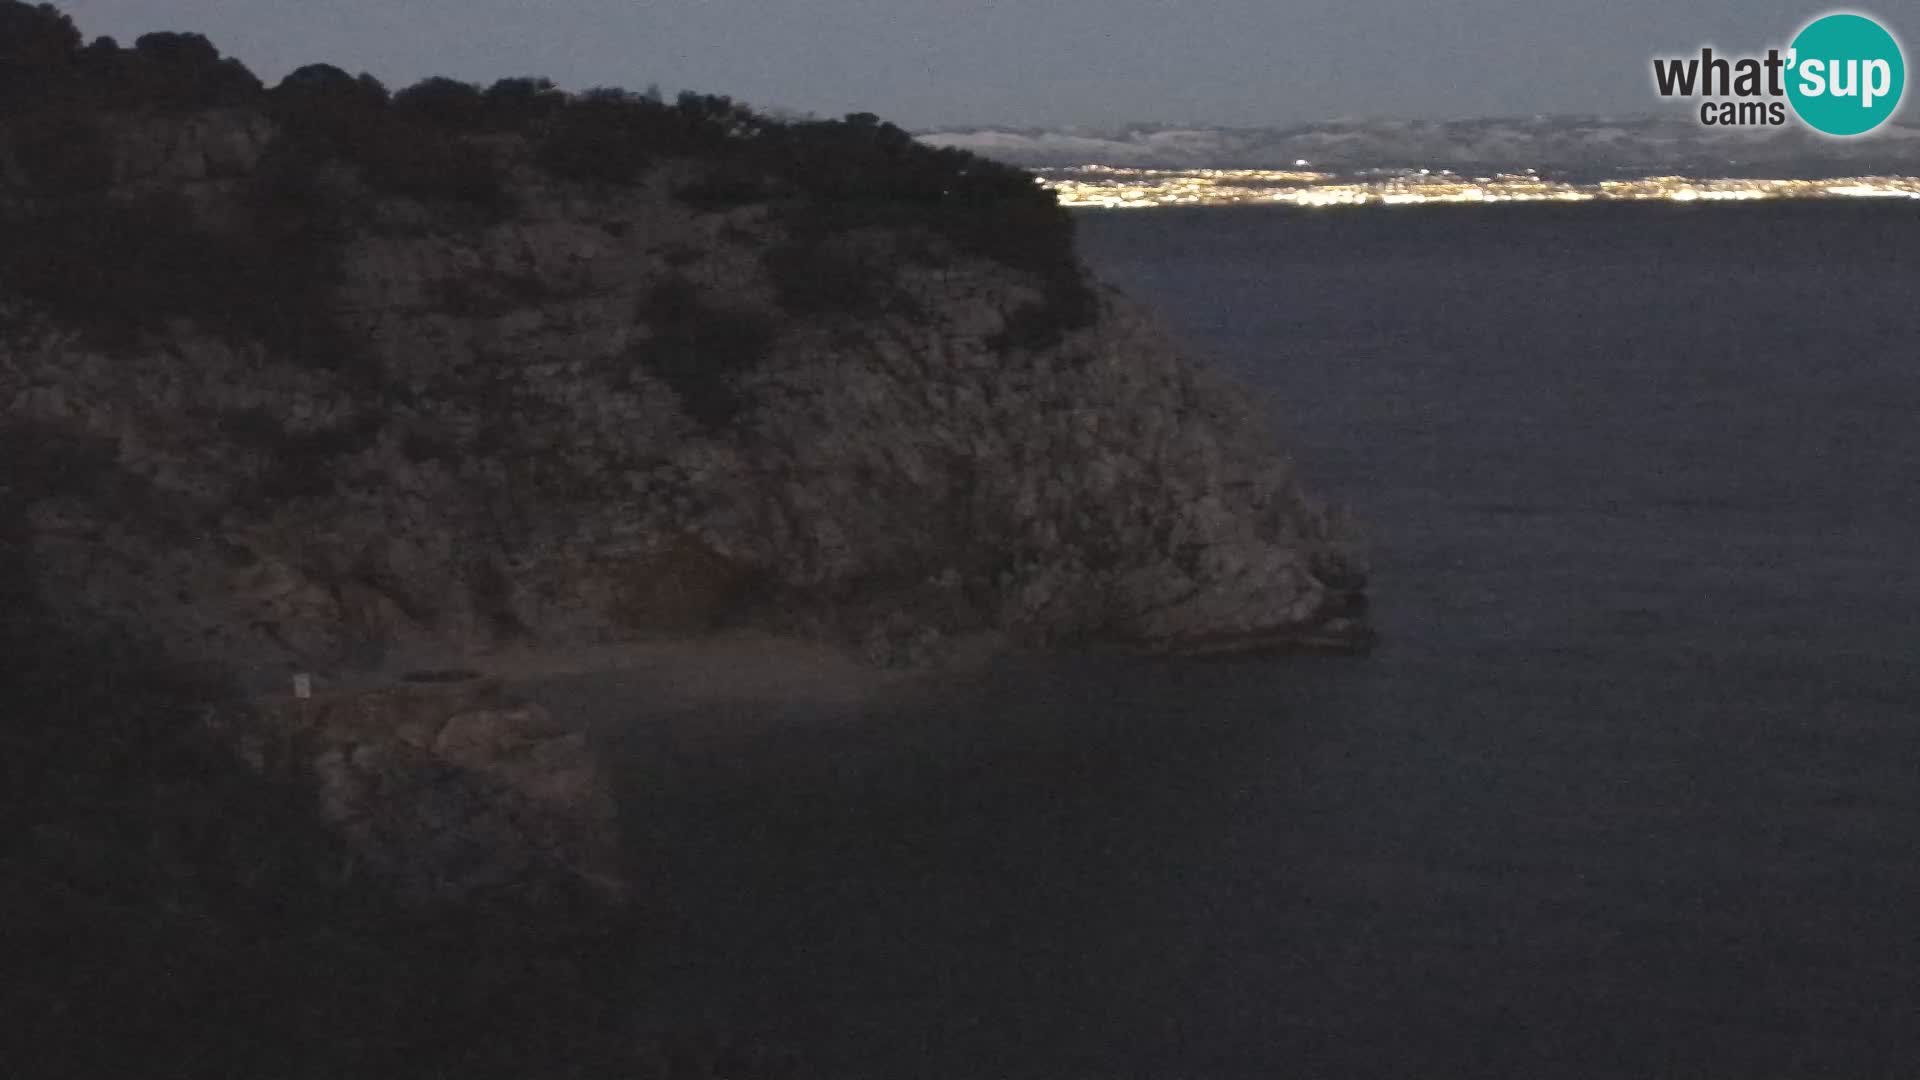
column 1845, row 74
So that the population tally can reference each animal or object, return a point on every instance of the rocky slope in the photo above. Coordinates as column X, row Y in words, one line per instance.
column 450, row 793
column 279, row 410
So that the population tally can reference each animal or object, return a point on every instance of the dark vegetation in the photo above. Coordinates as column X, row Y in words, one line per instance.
column 121, row 269
column 700, row 348
column 439, row 142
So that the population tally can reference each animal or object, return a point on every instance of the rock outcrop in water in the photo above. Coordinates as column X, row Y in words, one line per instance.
column 314, row 378
column 450, row 794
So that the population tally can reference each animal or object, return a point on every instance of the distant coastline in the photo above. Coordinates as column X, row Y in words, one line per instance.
column 1574, row 148
column 1398, row 162
column 1118, row 188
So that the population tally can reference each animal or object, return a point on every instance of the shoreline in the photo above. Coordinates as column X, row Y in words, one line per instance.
column 730, row 668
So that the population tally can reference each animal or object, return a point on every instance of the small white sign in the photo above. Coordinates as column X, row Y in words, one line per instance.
column 303, row 686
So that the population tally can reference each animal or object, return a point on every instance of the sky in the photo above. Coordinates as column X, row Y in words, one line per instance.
column 927, row 64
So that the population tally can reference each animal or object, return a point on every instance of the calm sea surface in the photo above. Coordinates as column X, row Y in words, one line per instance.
column 1631, row 789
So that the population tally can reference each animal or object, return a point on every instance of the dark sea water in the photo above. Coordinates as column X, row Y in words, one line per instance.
column 1631, row 789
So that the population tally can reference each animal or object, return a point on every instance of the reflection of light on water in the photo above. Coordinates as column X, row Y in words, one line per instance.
column 1691, row 195
column 1110, row 186
column 1866, row 191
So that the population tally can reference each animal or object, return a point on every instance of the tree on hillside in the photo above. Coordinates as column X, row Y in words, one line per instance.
column 316, row 82
column 180, row 50
column 321, row 101
column 35, row 35
column 37, row 47
column 515, row 102
column 448, row 104
column 185, row 71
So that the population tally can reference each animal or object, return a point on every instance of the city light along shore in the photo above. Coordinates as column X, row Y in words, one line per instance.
column 1110, row 186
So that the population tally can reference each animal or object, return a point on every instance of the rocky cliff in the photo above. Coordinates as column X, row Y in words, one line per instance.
column 328, row 379
column 285, row 390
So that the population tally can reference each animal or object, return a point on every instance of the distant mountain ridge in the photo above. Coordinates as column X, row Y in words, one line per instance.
column 1587, row 145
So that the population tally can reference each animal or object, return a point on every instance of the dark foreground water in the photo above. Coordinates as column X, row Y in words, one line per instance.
column 1632, row 788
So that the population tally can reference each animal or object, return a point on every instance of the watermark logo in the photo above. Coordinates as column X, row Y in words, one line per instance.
column 1850, row 74
column 1843, row 75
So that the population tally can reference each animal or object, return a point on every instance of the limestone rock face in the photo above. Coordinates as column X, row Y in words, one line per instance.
column 1104, row 489
column 509, row 433
column 449, row 795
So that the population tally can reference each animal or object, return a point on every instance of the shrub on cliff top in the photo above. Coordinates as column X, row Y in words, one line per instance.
column 407, row 145
column 513, row 104
column 42, row 65
column 179, row 71
column 37, row 50
column 446, row 104
column 862, row 172
column 597, row 138
column 317, row 92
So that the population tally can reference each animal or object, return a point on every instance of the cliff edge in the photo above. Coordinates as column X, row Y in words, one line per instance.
column 324, row 377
